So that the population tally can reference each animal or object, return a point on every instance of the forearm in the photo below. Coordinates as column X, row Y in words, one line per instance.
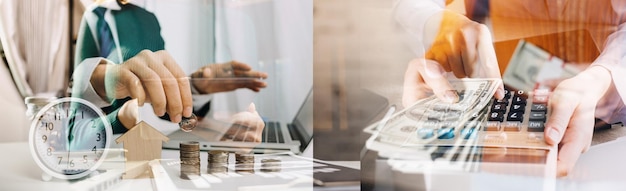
column 611, row 108
column 613, row 58
column 83, row 85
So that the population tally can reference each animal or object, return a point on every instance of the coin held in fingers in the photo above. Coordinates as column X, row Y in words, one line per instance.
column 188, row 123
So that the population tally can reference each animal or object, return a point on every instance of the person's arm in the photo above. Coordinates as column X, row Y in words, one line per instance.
column 413, row 15
column 597, row 91
column 443, row 41
column 611, row 108
column 85, row 62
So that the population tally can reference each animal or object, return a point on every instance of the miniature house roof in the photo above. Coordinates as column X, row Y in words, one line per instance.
column 142, row 131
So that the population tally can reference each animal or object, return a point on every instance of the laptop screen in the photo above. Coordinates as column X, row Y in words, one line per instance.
column 303, row 122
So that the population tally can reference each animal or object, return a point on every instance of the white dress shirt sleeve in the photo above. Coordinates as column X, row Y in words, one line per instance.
column 611, row 108
column 413, row 15
column 81, row 83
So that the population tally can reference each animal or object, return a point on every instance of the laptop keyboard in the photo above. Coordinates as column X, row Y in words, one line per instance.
column 272, row 133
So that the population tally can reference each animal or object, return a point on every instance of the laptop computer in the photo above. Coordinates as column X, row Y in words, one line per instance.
column 277, row 136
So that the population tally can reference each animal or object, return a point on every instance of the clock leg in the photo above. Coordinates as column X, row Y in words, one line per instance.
column 45, row 177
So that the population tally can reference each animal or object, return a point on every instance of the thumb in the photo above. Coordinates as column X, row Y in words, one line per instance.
column 432, row 73
column 562, row 103
column 252, row 108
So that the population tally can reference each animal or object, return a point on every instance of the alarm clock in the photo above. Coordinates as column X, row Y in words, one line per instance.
column 69, row 138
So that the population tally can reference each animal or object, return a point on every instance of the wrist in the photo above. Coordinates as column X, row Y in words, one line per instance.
column 98, row 79
column 602, row 78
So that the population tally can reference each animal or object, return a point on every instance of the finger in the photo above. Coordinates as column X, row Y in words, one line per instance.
column 252, row 108
column 455, row 55
column 432, row 73
column 438, row 54
column 252, row 136
column 487, row 61
column 152, row 85
column 236, row 65
column 469, row 48
column 413, row 88
column 255, row 85
column 133, row 83
column 183, row 85
column 562, row 103
column 253, row 74
column 567, row 157
column 576, row 139
column 157, row 61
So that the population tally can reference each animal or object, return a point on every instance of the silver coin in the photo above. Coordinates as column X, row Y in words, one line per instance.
column 187, row 124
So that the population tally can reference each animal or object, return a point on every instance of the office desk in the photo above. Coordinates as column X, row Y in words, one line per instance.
column 600, row 168
column 21, row 173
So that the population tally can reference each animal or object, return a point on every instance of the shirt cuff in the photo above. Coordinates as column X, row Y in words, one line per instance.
column 199, row 100
column 81, row 82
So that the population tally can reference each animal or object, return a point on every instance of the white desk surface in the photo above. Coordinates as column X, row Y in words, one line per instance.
column 601, row 168
column 21, row 172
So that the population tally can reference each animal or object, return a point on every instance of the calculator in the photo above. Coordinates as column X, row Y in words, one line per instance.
column 477, row 134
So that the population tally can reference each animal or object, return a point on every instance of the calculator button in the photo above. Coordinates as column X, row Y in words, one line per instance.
column 501, row 101
column 511, row 126
column 425, row 133
column 515, row 116
column 535, row 126
column 468, row 133
column 540, row 99
column 507, row 94
column 517, row 108
column 537, row 116
column 445, row 133
column 492, row 126
column 496, row 137
column 518, row 100
column 496, row 116
column 538, row 107
column 541, row 96
column 498, row 107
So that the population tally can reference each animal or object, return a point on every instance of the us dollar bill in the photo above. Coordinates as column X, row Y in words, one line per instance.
column 530, row 66
column 406, row 127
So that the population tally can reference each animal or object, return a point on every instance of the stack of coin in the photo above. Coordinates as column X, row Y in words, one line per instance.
column 270, row 165
column 218, row 161
column 189, row 159
column 244, row 162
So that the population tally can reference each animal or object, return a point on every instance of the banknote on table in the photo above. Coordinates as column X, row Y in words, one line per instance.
column 530, row 66
column 405, row 127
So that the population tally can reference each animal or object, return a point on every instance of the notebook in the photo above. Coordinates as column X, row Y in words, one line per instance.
column 277, row 136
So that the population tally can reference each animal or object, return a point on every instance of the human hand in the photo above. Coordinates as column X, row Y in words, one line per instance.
column 129, row 113
column 571, row 123
column 460, row 46
column 147, row 77
column 228, row 76
column 250, row 123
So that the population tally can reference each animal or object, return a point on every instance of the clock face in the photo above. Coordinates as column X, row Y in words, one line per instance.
column 69, row 138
